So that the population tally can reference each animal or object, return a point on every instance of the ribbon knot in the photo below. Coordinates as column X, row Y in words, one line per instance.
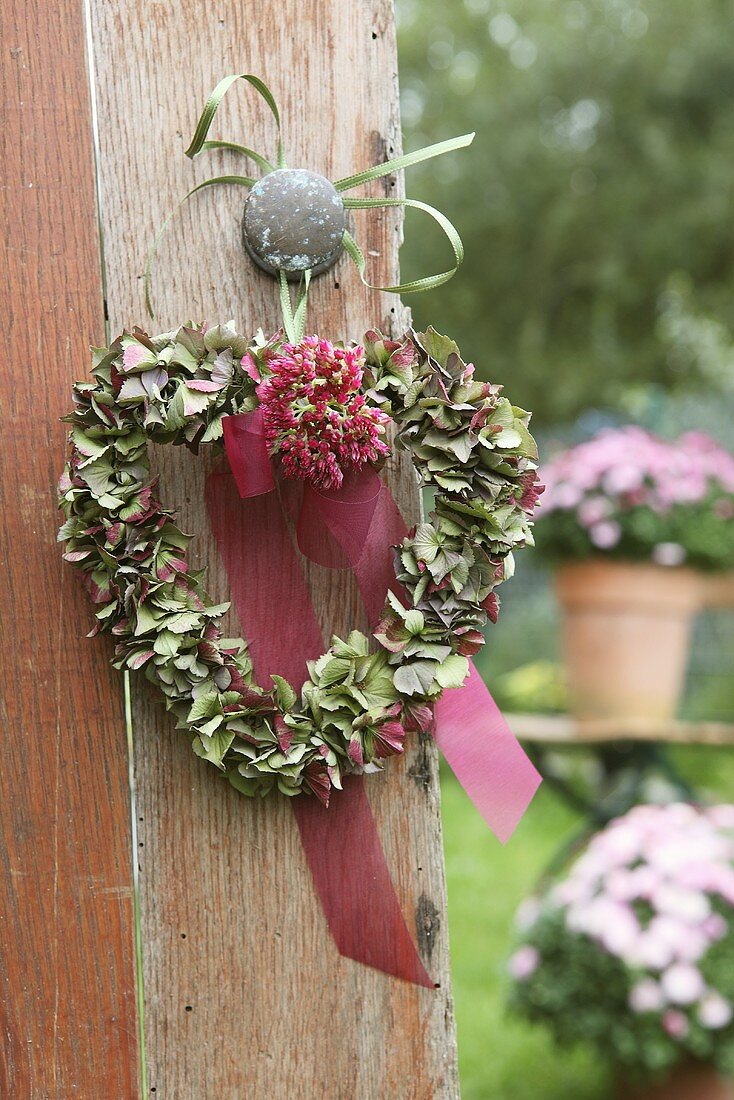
column 331, row 525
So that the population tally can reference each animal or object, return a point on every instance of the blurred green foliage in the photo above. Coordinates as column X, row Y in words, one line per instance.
column 601, row 170
column 538, row 686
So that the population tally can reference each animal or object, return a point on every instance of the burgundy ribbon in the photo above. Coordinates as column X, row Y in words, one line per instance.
column 355, row 528
column 341, row 844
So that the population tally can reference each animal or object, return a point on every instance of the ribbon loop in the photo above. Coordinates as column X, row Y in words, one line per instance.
column 428, row 282
column 249, row 461
column 333, row 525
column 239, row 181
column 211, row 107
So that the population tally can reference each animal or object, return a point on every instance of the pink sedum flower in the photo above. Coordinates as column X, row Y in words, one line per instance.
column 316, row 419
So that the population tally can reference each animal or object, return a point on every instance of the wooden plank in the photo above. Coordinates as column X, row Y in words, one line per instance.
column 562, row 729
column 67, row 992
column 245, row 993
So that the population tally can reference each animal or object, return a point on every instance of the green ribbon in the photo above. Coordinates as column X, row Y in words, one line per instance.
column 406, row 161
column 294, row 318
column 212, row 106
column 416, row 285
column 242, row 181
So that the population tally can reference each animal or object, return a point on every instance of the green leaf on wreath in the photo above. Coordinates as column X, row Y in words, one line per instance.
column 452, row 672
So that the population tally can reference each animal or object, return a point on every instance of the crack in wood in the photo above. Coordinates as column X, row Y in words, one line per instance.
column 421, row 772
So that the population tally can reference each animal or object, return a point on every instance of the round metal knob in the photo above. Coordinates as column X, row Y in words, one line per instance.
column 293, row 220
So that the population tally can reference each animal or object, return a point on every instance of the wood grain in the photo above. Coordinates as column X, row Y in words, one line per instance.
column 246, row 996
column 67, row 990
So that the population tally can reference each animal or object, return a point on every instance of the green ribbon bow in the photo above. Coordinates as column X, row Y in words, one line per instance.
column 294, row 318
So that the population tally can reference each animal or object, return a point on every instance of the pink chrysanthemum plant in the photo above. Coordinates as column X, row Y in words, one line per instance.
column 630, row 495
column 633, row 950
column 318, row 422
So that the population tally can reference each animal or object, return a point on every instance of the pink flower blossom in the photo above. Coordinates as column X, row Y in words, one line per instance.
column 605, row 535
column 676, row 1024
column 669, row 553
column 690, row 906
column 624, row 468
column 682, row 984
column 523, row 964
column 714, row 927
column 651, row 952
column 527, row 913
column 249, row 367
column 592, row 510
column 623, row 478
column 714, row 1011
column 723, row 816
column 622, row 885
column 646, row 996
column 679, row 860
column 315, row 417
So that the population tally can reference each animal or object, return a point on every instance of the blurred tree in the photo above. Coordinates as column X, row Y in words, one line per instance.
column 602, row 166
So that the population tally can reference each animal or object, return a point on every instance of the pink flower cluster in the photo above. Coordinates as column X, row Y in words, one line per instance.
column 627, row 467
column 675, row 860
column 315, row 417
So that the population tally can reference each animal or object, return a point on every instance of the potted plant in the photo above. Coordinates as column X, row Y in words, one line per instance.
column 634, row 524
column 633, row 951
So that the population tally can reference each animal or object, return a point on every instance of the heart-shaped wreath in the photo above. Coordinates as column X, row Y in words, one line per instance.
column 325, row 411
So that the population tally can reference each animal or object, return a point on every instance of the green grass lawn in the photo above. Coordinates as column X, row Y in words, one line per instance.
column 502, row 1058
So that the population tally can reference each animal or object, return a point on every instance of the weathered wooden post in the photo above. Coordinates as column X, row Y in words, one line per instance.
column 245, row 994
column 67, row 1000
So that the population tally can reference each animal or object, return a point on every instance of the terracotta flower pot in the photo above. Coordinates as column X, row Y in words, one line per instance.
column 718, row 590
column 626, row 632
column 688, row 1081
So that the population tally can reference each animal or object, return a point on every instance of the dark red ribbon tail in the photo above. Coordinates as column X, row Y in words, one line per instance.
column 348, row 867
column 342, row 844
